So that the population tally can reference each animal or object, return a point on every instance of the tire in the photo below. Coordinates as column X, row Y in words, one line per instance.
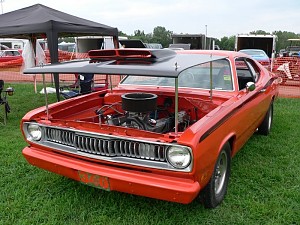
column 214, row 192
column 265, row 127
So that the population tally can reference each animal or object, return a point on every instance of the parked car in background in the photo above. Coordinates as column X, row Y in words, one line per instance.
column 258, row 55
column 167, row 131
column 282, row 53
column 131, row 43
column 180, row 46
column 293, row 51
column 153, row 45
column 9, row 55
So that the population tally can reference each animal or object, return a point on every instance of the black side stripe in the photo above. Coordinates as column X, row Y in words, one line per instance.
column 230, row 114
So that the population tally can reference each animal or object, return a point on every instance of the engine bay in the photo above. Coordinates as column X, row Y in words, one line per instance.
column 143, row 112
column 152, row 112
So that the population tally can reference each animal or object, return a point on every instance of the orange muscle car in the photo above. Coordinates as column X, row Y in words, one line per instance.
column 167, row 131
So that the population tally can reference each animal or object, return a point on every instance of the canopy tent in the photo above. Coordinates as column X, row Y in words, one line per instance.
column 39, row 21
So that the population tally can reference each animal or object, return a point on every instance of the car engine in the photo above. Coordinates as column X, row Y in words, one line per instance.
column 140, row 111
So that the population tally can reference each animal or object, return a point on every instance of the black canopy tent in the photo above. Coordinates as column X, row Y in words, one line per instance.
column 39, row 21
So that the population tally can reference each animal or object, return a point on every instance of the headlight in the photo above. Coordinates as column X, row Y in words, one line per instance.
column 35, row 132
column 179, row 157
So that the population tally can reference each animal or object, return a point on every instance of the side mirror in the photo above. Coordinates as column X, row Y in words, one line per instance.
column 250, row 86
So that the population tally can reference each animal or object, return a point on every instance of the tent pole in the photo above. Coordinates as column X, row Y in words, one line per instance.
column 116, row 41
column 52, row 40
column 34, row 81
column 33, row 42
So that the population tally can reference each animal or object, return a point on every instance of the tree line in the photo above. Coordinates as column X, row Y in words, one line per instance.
column 160, row 35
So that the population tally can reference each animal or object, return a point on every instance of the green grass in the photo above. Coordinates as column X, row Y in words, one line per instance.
column 264, row 186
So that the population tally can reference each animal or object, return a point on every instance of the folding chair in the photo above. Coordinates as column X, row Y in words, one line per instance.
column 4, row 106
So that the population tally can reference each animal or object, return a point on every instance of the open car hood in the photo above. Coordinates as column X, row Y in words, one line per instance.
column 161, row 65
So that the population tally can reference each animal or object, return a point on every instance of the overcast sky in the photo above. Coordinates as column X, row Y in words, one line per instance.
column 221, row 17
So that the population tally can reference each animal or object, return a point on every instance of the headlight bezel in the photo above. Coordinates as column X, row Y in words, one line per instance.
column 34, row 132
column 174, row 151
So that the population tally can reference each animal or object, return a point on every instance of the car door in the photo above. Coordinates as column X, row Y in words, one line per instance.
column 252, row 105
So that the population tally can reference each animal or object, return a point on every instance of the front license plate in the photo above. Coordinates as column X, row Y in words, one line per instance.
column 94, row 180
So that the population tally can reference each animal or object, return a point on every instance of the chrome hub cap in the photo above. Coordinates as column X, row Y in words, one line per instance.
column 220, row 173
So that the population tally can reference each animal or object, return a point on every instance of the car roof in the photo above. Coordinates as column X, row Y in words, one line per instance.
column 158, row 62
column 246, row 50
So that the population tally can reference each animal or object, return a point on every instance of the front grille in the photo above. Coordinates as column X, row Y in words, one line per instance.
column 106, row 146
column 63, row 137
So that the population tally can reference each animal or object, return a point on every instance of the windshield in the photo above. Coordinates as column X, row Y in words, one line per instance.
column 194, row 77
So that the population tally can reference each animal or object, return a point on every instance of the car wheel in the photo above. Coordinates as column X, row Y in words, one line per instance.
column 265, row 126
column 215, row 191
